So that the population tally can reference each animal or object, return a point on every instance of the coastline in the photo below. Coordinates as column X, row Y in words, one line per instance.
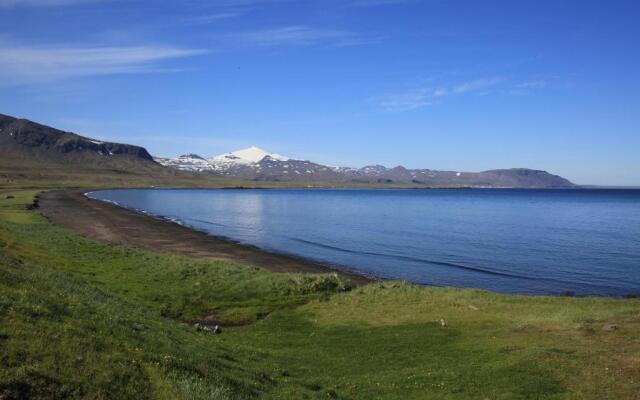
column 110, row 223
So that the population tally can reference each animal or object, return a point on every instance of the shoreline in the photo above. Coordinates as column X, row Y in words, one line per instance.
column 105, row 222
column 111, row 222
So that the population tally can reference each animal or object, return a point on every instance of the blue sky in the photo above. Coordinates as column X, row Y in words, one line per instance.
column 456, row 84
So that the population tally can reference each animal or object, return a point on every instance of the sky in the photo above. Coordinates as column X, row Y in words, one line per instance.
column 463, row 85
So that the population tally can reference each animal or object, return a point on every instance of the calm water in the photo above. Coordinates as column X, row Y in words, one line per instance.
column 515, row 241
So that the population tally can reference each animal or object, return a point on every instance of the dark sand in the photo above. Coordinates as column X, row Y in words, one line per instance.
column 109, row 223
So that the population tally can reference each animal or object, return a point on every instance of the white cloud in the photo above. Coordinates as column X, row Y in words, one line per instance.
column 372, row 3
column 210, row 18
column 43, row 3
column 298, row 35
column 440, row 92
column 405, row 101
column 532, row 85
column 423, row 97
column 476, row 85
column 22, row 64
column 527, row 87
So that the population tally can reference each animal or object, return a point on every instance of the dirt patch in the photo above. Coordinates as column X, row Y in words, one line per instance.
column 109, row 223
column 212, row 320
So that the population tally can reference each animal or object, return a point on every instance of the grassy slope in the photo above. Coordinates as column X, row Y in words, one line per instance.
column 22, row 174
column 18, row 173
column 90, row 320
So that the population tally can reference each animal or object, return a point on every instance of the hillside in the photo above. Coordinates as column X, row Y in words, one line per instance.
column 26, row 141
column 33, row 154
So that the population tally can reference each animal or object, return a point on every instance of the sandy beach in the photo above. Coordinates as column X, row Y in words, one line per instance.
column 109, row 223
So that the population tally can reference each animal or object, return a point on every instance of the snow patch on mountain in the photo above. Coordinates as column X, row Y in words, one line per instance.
column 250, row 157
column 187, row 162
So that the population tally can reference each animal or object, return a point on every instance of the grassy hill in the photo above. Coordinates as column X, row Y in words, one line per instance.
column 35, row 155
column 26, row 173
column 81, row 319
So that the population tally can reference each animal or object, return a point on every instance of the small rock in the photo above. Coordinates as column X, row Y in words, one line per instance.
column 472, row 307
column 209, row 328
column 443, row 322
column 610, row 327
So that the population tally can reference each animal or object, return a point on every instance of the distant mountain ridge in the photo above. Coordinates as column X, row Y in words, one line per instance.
column 23, row 142
column 256, row 164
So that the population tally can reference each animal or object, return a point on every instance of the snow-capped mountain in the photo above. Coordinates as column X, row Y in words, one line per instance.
column 251, row 155
column 255, row 164
column 187, row 162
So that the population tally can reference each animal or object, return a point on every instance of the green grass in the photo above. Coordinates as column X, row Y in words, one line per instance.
column 81, row 319
column 62, row 338
column 174, row 286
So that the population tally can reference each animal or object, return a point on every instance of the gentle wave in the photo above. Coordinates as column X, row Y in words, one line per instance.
column 415, row 259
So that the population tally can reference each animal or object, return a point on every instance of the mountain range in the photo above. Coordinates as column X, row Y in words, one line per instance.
column 23, row 141
column 255, row 164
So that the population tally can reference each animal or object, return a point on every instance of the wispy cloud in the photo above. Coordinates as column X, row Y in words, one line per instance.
column 22, row 64
column 527, row 87
column 474, row 86
column 43, row 3
column 532, row 85
column 240, row 3
column 299, row 35
column 210, row 18
column 208, row 12
column 372, row 3
column 406, row 101
column 423, row 97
